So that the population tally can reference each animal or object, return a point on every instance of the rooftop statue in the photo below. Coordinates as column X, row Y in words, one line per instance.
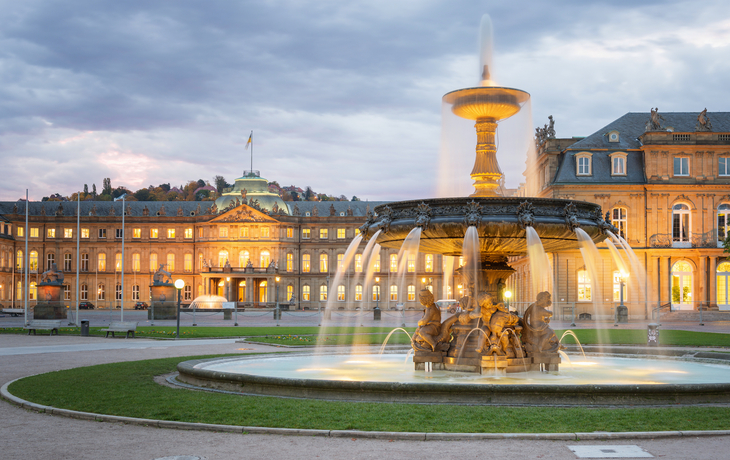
column 655, row 122
column 703, row 122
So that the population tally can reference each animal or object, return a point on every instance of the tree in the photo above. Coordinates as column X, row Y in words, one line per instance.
column 107, row 188
column 201, row 183
column 94, row 190
column 354, row 198
column 143, row 194
column 220, row 183
column 165, row 187
column 86, row 189
column 309, row 194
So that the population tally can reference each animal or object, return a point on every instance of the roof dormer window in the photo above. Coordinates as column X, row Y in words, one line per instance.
column 613, row 136
column 618, row 163
column 584, row 166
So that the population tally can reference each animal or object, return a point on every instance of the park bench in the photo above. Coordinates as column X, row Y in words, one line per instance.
column 121, row 326
column 13, row 311
column 43, row 324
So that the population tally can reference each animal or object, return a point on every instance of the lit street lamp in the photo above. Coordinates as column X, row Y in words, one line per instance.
column 507, row 296
column 622, row 313
column 179, row 284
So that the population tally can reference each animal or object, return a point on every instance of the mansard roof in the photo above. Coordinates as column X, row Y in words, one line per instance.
column 104, row 208
column 358, row 208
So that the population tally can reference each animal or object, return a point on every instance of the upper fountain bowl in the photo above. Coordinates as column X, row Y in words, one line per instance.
column 486, row 102
column 500, row 222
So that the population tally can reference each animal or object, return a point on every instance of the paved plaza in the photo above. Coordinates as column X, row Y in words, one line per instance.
column 32, row 435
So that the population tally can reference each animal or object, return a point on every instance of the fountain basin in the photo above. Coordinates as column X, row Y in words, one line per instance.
column 486, row 102
column 598, row 381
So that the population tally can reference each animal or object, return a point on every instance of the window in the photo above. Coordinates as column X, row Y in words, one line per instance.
column 51, row 233
column 263, row 292
column 154, row 233
column 724, row 166
column 135, row 292
column 33, row 261
column 265, row 259
column 33, row 291
column 102, row 233
column 376, row 262
column 243, row 258
column 68, row 232
column 723, row 222
column 222, row 258
column 583, row 164
column 305, row 293
column 290, row 232
column 153, row 262
column 66, row 292
column 681, row 166
column 136, row 233
column 723, row 276
column 340, row 259
column 34, row 232
column 618, row 219
column 265, row 232
column 394, row 293
column 358, row 263
column 223, row 232
column 306, row 233
column 50, row 260
column 118, row 292
column 323, row 234
column 85, row 262
column 188, row 263
column 21, row 231
column 84, row 233
column 306, row 262
column 244, row 232
column 289, row 292
column 119, row 233
column 171, row 263
column 188, row 233
column 323, row 265
column 681, row 224
column 201, row 232
column 618, row 164
column 584, row 286
column 84, row 292
column 613, row 136
column 680, row 137
column 411, row 293
column 617, row 287
column 682, row 286
column 358, row 293
column 101, row 259
column 394, row 263
column 19, row 290
column 100, row 292
column 429, row 263
column 67, row 262
column 19, row 260
column 376, row 293
column 200, row 261
column 341, row 293
column 323, row 293
column 118, row 262
column 188, row 292
column 340, row 233
column 136, row 262
column 171, row 233
column 723, row 137
column 411, row 263
column 289, row 262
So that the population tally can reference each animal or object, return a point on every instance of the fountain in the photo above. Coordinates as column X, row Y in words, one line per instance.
column 467, row 357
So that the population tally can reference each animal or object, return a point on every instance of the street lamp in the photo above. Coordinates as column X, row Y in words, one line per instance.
column 507, row 296
column 179, row 284
column 622, row 313
column 377, row 294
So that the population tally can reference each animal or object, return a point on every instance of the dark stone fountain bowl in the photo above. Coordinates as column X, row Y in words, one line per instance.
column 501, row 224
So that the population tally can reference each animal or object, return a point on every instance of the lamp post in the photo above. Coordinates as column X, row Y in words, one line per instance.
column 276, row 301
column 179, row 284
column 622, row 313
column 377, row 293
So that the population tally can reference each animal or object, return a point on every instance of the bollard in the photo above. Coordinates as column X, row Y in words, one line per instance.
column 277, row 314
column 652, row 334
column 84, row 328
column 376, row 314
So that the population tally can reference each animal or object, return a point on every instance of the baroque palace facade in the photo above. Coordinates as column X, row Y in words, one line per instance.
column 664, row 181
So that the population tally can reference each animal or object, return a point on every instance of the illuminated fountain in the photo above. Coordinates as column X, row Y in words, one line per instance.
column 485, row 353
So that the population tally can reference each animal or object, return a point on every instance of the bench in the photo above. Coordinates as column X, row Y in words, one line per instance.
column 43, row 324
column 121, row 326
column 13, row 311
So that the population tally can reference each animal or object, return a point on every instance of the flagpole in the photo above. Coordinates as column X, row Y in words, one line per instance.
column 25, row 258
column 78, row 260
column 251, row 139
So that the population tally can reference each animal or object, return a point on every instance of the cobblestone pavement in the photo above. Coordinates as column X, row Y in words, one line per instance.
column 30, row 435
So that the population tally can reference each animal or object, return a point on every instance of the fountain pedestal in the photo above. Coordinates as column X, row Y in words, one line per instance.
column 49, row 305
column 164, row 304
column 547, row 362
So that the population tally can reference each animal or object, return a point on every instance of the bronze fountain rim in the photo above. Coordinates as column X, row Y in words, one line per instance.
column 451, row 96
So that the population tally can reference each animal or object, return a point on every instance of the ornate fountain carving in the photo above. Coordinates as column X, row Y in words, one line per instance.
column 472, row 214
column 526, row 214
column 571, row 216
column 423, row 215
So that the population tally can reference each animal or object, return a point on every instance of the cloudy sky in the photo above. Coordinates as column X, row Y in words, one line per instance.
column 344, row 96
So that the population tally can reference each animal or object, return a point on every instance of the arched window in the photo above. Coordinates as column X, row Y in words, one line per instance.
column 394, row 293
column 84, row 291
column 265, row 259
column 19, row 261
column 243, row 258
column 33, row 261
column 584, row 286
column 289, row 263
column 617, row 287
column 305, row 293
column 682, row 286
column 118, row 262
column 242, row 291
column 681, row 222
column 429, row 263
column 306, row 263
column 19, row 290
column 358, row 263
column 171, row 263
column 323, row 263
column 153, row 262
column 323, row 293
column 376, row 293
column 618, row 219
column 289, row 292
column 341, row 293
column 135, row 262
column 263, row 291
column 723, row 222
column 100, row 292
column 188, row 263
column 411, row 293
column 101, row 262
column 33, row 291
column 376, row 261
column 723, row 276
column 411, row 263
column 222, row 258
column 394, row 263
column 358, row 293
column 50, row 260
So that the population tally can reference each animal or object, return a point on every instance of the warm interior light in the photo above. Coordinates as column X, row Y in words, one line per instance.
column 179, row 284
column 277, row 279
column 377, row 279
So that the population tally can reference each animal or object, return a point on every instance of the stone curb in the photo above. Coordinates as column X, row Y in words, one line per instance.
column 389, row 435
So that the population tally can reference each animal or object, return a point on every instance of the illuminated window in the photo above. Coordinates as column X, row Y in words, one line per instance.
column 323, row 265
column 265, row 232
column 188, row 233
column 51, row 233
column 100, row 292
column 188, row 263
column 340, row 258
column 289, row 232
column 153, row 262
column 376, row 262
column 429, row 263
column 200, row 261
column 617, row 287
column 341, row 293
column 33, row 261
column 358, row 293
column 243, row 258
column 19, row 260
column 289, row 262
column 723, row 222
column 289, row 292
column 305, row 293
column 323, row 234
column 68, row 232
column 154, row 233
column 243, row 232
column 21, row 232
column 358, row 263
column 411, row 292
column 136, row 262
column 222, row 258
column 584, row 286
column 34, row 232
column 394, row 263
column 340, row 233
column 306, row 262
column 84, row 233
column 171, row 263
column 323, row 293
column 136, row 233
column 411, row 263
column 618, row 219
column 376, row 293
column 265, row 259
column 223, row 232
column 118, row 262
column 171, row 233
column 682, row 286
column 19, row 290
column 394, row 292
column 306, row 233
column 263, row 292
column 101, row 262
column 33, row 291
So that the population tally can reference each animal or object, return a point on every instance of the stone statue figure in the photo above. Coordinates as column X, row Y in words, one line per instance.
column 655, row 121
column 429, row 326
column 703, row 122
column 550, row 128
column 52, row 276
column 159, row 277
column 537, row 336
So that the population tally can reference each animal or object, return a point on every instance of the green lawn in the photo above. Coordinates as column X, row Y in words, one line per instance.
column 128, row 389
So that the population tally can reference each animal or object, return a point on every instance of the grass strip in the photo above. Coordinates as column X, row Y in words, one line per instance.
column 128, row 389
